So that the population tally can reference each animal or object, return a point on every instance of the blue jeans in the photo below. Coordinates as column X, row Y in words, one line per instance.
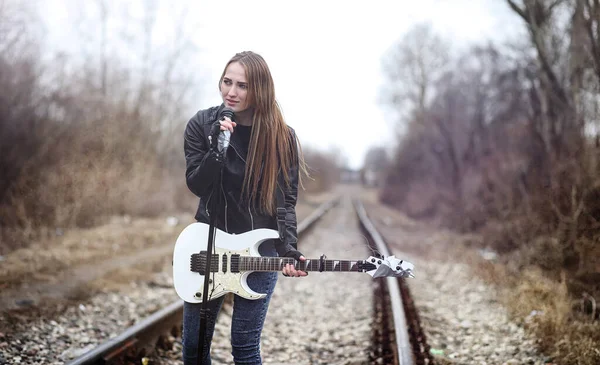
column 246, row 324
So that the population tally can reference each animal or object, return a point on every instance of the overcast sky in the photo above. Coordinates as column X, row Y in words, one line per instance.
column 325, row 55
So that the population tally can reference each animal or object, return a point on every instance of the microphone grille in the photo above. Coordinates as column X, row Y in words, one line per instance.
column 227, row 112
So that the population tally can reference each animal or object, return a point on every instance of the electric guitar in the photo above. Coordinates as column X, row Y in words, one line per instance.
column 236, row 256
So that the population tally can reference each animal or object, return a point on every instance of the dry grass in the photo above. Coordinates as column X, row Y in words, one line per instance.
column 121, row 277
column 118, row 239
column 547, row 310
column 76, row 246
column 79, row 186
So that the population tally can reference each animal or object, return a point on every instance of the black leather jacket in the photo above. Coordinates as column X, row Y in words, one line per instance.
column 235, row 216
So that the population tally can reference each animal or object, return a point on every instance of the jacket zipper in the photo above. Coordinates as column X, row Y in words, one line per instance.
column 207, row 203
column 226, row 229
column 225, row 198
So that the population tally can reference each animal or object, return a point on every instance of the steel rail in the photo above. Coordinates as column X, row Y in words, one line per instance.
column 150, row 328
column 403, row 345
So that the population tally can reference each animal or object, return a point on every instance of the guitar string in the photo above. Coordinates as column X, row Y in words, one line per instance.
column 372, row 248
column 265, row 263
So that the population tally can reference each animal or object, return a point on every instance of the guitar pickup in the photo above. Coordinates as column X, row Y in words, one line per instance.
column 235, row 263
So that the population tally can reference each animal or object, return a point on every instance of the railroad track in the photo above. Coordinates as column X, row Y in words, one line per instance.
column 396, row 334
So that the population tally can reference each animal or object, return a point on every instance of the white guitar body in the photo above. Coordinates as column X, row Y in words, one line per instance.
column 236, row 256
column 193, row 239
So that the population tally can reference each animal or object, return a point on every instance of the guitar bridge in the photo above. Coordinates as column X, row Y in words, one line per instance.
column 198, row 263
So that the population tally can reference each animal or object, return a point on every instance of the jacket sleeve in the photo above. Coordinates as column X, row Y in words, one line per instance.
column 202, row 163
column 286, row 209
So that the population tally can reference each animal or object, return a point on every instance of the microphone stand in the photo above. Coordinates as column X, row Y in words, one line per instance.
column 204, row 311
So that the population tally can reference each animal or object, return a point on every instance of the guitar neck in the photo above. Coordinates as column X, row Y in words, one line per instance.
column 250, row 263
column 237, row 263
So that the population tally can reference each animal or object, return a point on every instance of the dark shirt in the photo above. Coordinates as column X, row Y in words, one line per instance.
column 240, row 216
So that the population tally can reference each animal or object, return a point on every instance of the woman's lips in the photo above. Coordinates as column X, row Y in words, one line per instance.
column 231, row 102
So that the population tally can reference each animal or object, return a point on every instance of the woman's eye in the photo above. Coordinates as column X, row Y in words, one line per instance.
column 243, row 86
column 227, row 82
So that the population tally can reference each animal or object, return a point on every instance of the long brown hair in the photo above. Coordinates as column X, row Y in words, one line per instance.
column 272, row 149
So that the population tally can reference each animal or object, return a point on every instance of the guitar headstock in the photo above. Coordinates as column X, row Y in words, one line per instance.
column 379, row 267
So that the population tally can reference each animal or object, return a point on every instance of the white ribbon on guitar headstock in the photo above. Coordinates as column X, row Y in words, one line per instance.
column 391, row 266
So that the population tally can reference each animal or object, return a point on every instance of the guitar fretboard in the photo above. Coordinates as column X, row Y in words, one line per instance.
column 236, row 263
column 249, row 263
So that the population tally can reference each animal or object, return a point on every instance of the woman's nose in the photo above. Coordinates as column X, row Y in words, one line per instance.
column 232, row 91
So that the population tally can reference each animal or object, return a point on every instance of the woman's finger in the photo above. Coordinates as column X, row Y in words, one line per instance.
column 227, row 124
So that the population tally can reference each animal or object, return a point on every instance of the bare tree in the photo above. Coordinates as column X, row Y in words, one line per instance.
column 411, row 68
column 375, row 166
column 20, row 99
column 110, row 126
column 324, row 167
column 588, row 15
column 474, row 104
column 19, row 27
column 555, row 28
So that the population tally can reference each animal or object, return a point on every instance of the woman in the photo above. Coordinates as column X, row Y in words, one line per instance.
column 259, row 188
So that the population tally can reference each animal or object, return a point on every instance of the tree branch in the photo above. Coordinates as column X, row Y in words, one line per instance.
column 518, row 10
column 589, row 27
column 536, row 34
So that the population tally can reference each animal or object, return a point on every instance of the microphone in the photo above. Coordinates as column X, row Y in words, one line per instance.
column 224, row 136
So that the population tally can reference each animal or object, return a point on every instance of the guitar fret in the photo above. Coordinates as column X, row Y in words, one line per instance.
column 251, row 263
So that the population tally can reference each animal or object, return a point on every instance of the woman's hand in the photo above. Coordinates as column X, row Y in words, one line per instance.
column 217, row 127
column 227, row 124
column 290, row 270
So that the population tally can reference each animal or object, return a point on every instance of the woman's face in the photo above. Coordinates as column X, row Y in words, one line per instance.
column 234, row 87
